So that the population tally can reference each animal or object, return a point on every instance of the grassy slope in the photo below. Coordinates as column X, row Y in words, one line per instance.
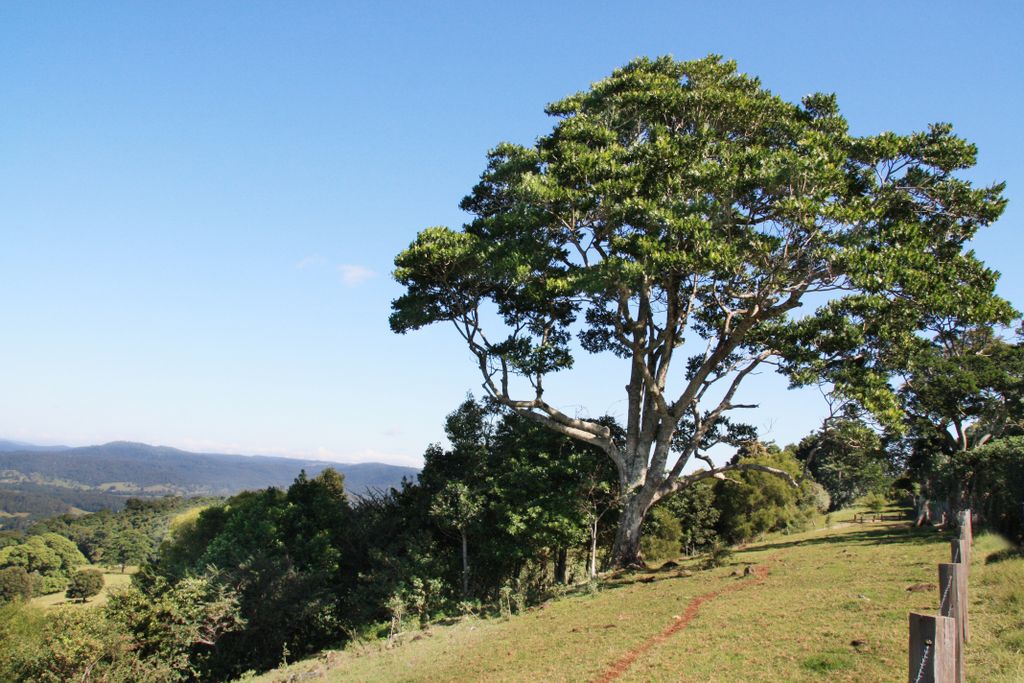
column 825, row 589
column 112, row 578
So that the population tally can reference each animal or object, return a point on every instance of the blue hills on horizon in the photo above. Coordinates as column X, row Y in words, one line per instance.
column 127, row 468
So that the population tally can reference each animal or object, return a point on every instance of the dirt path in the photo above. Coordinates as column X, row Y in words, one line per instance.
column 620, row 666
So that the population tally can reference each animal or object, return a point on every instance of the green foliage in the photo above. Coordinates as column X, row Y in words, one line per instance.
column 456, row 506
column 128, row 536
column 15, row 584
column 695, row 509
column 753, row 503
column 84, row 584
column 680, row 210
column 962, row 388
column 875, row 502
column 718, row 554
column 847, row 458
column 816, row 497
column 662, row 539
column 993, row 477
column 280, row 557
column 177, row 626
column 48, row 557
column 71, row 645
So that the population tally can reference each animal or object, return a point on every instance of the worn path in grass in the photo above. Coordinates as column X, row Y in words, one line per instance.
column 682, row 621
column 833, row 607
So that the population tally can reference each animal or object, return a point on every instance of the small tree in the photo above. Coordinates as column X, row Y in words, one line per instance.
column 962, row 388
column 131, row 547
column 456, row 507
column 84, row 584
column 663, row 534
column 15, row 584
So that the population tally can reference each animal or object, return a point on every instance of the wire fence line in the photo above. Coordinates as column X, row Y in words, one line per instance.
column 937, row 642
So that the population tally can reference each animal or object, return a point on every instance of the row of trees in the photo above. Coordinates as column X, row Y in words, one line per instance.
column 502, row 516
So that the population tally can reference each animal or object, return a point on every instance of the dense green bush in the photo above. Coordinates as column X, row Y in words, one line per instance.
column 84, row 584
column 15, row 584
column 48, row 558
column 283, row 557
column 662, row 535
column 992, row 476
column 70, row 644
column 698, row 516
column 753, row 503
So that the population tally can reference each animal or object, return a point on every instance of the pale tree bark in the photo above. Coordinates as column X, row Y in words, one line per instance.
column 465, row 564
column 653, row 421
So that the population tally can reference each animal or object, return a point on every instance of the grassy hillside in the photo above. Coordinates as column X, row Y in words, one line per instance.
column 113, row 579
column 829, row 604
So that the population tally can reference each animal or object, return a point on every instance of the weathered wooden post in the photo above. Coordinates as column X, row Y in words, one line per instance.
column 932, row 649
column 958, row 553
column 966, row 530
column 953, row 604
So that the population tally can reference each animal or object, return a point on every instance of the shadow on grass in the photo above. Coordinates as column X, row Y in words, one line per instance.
column 1013, row 553
column 891, row 533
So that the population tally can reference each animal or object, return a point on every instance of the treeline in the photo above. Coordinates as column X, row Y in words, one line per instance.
column 130, row 536
column 508, row 515
column 26, row 503
column 141, row 470
column 45, row 558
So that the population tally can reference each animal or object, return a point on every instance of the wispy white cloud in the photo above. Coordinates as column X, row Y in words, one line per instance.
column 311, row 261
column 352, row 274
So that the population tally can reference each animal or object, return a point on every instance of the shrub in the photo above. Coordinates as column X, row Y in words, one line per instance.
column 662, row 535
column 993, row 477
column 718, row 554
column 875, row 502
column 85, row 584
column 15, row 584
column 754, row 503
column 816, row 496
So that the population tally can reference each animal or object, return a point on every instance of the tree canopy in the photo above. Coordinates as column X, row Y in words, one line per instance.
column 678, row 216
column 84, row 584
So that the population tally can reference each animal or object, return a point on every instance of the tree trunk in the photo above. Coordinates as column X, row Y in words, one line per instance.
column 562, row 566
column 923, row 513
column 465, row 567
column 593, row 549
column 626, row 551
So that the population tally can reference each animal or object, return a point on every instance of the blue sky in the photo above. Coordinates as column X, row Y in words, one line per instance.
column 200, row 202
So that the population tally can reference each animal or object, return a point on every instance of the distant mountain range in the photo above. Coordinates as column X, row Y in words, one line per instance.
column 91, row 477
column 6, row 445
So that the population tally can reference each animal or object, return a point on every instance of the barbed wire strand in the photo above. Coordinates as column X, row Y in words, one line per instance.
column 924, row 660
column 945, row 592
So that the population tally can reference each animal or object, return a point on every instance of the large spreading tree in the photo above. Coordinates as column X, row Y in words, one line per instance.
column 678, row 216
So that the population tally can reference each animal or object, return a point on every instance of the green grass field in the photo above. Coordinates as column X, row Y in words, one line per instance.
column 832, row 606
column 112, row 578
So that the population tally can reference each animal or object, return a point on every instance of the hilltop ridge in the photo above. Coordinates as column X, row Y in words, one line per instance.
column 40, row 480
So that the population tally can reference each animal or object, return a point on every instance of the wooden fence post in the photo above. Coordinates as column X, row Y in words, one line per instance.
column 966, row 530
column 952, row 603
column 958, row 553
column 932, row 649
